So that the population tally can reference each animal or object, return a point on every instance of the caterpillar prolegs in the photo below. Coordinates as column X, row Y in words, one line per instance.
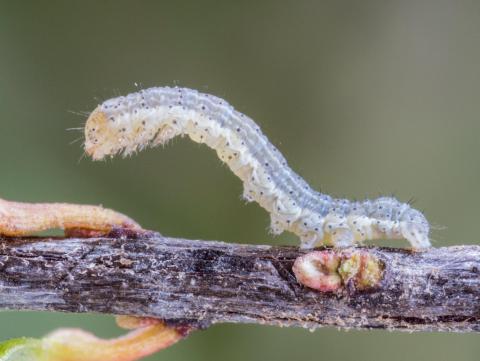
column 153, row 116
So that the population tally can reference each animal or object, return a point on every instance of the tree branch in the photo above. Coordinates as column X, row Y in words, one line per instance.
column 198, row 283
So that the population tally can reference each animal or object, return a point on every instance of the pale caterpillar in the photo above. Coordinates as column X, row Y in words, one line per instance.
column 153, row 116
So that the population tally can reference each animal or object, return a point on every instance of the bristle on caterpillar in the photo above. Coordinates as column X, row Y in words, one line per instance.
column 153, row 116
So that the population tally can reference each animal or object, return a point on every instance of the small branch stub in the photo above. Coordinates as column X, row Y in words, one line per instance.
column 331, row 270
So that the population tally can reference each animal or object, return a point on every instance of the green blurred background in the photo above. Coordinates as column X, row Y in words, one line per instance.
column 362, row 97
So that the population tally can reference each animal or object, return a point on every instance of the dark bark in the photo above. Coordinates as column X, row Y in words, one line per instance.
column 198, row 283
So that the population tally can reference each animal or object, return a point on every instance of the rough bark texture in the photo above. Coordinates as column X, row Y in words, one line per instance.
column 198, row 283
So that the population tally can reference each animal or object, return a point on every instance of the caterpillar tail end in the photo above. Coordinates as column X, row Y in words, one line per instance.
column 415, row 229
column 418, row 240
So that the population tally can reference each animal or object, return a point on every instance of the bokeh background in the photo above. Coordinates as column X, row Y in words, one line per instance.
column 362, row 97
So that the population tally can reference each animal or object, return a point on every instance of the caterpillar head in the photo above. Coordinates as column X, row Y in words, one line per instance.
column 100, row 139
column 113, row 128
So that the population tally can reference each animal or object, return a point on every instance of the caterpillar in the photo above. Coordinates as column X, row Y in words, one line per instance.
column 153, row 116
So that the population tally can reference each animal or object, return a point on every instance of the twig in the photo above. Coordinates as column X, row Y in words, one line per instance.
column 199, row 283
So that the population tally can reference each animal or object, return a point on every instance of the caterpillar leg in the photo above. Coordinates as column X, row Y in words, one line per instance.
column 22, row 219
column 148, row 336
column 342, row 237
column 338, row 233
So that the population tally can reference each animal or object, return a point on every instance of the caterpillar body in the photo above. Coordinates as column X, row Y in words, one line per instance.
column 153, row 116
